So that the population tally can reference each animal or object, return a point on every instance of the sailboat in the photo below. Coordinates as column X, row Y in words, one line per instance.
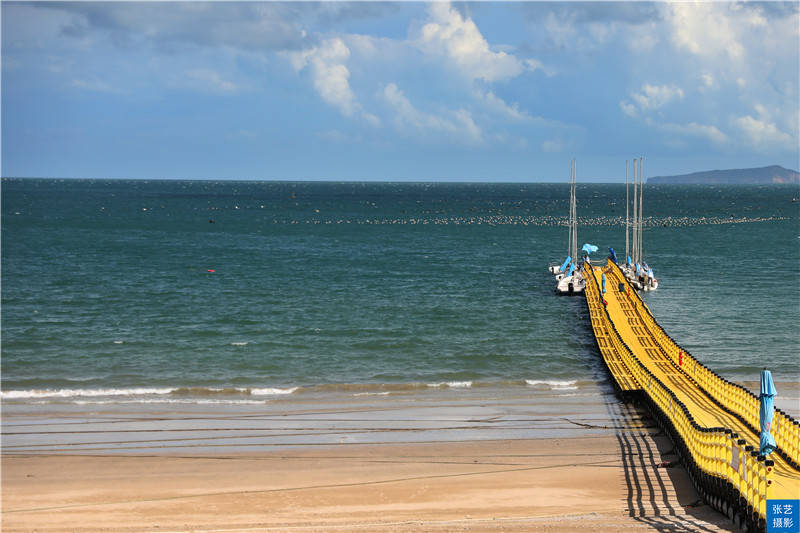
column 569, row 279
column 636, row 268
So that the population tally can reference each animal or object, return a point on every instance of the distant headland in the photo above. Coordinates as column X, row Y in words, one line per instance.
column 774, row 174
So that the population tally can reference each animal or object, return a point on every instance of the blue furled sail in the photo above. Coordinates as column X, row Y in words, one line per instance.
column 564, row 266
column 571, row 268
column 589, row 248
column 612, row 255
column 766, row 412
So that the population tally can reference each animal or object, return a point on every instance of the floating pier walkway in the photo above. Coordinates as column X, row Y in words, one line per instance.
column 713, row 422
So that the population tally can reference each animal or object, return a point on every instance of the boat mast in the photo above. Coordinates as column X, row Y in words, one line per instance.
column 641, row 211
column 627, row 215
column 569, row 220
column 575, row 209
column 634, row 229
column 572, row 213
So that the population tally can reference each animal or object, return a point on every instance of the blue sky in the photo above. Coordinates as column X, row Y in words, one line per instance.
column 397, row 91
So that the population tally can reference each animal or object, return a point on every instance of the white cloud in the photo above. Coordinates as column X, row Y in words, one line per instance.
column 693, row 129
column 706, row 29
column 651, row 97
column 535, row 64
column 734, row 42
column 656, row 96
column 627, row 108
column 500, row 107
column 457, row 124
column 331, row 77
column 763, row 135
column 329, row 72
column 461, row 42
column 341, row 67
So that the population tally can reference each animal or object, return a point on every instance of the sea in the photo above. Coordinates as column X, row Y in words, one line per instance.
column 132, row 292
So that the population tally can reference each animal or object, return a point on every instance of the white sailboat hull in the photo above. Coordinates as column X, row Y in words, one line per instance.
column 570, row 285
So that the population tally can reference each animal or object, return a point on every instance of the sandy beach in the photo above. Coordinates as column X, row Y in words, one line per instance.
column 594, row 472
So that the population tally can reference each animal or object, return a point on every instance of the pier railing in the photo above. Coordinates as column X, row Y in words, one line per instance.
column 732, row 397
column 734, row 477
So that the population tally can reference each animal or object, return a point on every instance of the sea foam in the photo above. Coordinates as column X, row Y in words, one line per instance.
column 141, row 391
column 75, row 393
column 552, row 384
column 452, row 384
column 273, row 391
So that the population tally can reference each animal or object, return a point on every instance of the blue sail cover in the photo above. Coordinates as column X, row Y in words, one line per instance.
column 566, row 262
column 589, row 248
column 766, row 412
column 612, row 255
column 571, row 268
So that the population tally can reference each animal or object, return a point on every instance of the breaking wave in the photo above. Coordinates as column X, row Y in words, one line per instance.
column 198, row 395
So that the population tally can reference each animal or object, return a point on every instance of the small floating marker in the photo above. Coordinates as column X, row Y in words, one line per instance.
column 211, row 270
column 118, row 342
column 210, row 220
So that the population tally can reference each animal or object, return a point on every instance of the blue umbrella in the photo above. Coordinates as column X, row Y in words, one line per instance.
column 766, row 412
column 589, row 248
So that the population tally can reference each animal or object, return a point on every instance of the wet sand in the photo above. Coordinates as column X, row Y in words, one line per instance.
column 469, row 461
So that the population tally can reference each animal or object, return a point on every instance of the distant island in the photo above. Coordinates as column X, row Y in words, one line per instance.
column 756, row 176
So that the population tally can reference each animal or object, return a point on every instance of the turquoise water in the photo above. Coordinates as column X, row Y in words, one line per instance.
column 127, row 291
